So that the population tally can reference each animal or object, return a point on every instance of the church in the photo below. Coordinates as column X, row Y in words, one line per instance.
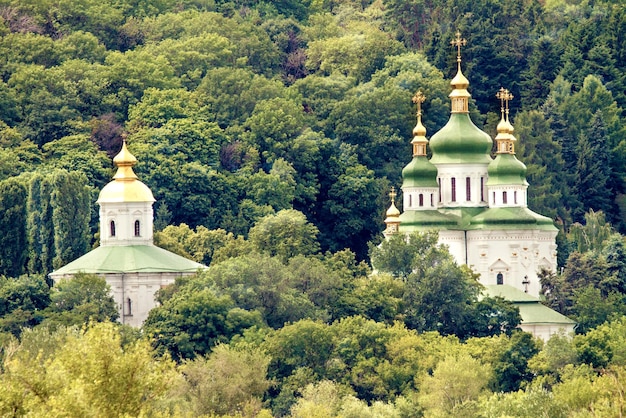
column 478, row 204
column 127, row 258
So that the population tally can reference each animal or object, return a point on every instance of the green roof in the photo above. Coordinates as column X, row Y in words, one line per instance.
column 460, row 141
column 419, row 173
column 511, row 218
column 530, row 308
column 509, row 293
column 506, row 169
column 129, row 259
column 423, row 220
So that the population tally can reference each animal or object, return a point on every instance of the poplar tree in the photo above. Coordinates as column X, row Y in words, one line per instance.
column 70, row 200
column 13, row 243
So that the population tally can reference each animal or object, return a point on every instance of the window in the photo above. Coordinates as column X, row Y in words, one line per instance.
column 431, row 200
column 410, row 200
column 129, row 307
column 468, row 188
column 494, row 198
column 500, row 278
column 482, row 189
column 112, row 228
column 453, row 186
column 137, row 229
column 439, row 183
column 421, row 200
column 504, row 199
column 515, row 197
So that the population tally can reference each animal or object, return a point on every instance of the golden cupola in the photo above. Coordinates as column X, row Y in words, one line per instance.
column 125, row 186
column 392, row 219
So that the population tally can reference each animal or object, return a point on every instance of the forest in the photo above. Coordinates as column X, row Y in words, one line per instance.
column 270, row 133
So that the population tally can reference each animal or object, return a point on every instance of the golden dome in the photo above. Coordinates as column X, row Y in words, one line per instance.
column 125, row 187
column 459, row 95
column 393, row 212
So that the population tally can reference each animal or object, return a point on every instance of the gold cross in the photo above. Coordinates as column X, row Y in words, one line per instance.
column 505, row 96
column 458, row 42
column 392, row 194
column 418, row 99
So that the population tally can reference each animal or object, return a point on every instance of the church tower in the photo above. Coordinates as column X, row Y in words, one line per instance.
column 127, row 258
column 126, row 214
column 477, row 203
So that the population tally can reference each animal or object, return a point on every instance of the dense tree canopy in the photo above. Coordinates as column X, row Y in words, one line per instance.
column 270, row 133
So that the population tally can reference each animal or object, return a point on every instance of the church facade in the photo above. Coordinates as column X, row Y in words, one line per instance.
column 127, row 258
column 476, row 202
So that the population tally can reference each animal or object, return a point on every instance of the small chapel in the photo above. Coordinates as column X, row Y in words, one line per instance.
column 478, row 205
column 127, row 258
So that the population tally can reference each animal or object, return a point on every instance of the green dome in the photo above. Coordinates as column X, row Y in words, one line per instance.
column 506, row 169
column 419, row 173
column 460, row 141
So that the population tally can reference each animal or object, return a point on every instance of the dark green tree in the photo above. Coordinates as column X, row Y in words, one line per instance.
column 192, row 322
column 79, row 300
column 13, row 240
column 71, row 212
column 22, row 302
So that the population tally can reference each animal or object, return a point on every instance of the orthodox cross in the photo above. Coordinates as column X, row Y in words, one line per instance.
column 505, row 96
column 392, row 194
column 458, row 42
column 418, row 99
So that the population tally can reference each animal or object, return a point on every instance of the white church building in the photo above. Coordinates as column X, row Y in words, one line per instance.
column 127, row 258
column 476, row 202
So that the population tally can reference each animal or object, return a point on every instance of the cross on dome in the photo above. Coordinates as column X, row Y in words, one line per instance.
column 458, row 42
column 392, row 195
column 418, row 99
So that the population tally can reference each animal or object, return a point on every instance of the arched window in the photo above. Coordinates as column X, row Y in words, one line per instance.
column 453, row 186
column 432, row 202
column 421, row 200
column 515, row 197
column 500, row 278
column 410, row 200
column 137, row 228
column 468, row 188
column 112, row 228
column 504, row 199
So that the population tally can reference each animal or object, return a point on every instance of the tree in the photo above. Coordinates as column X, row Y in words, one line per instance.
column 229, row 380
column 23, row 300
column 71, row 212
column 264, row 284
column 192, row 322
column 13, row 242
column 438, row 294
column 79, row 300
column 45, row 372
column 285, row 235
column 455, row 385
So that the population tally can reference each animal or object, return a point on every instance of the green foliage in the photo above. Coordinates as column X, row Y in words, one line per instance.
column 13, row 242
column 79, row 300
column 455, row 385
column 284, row 235
column 44, row 374
column 22, row 301
column 192, row 322
column 229, row 380
column 70, row 200
column 438, row 294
